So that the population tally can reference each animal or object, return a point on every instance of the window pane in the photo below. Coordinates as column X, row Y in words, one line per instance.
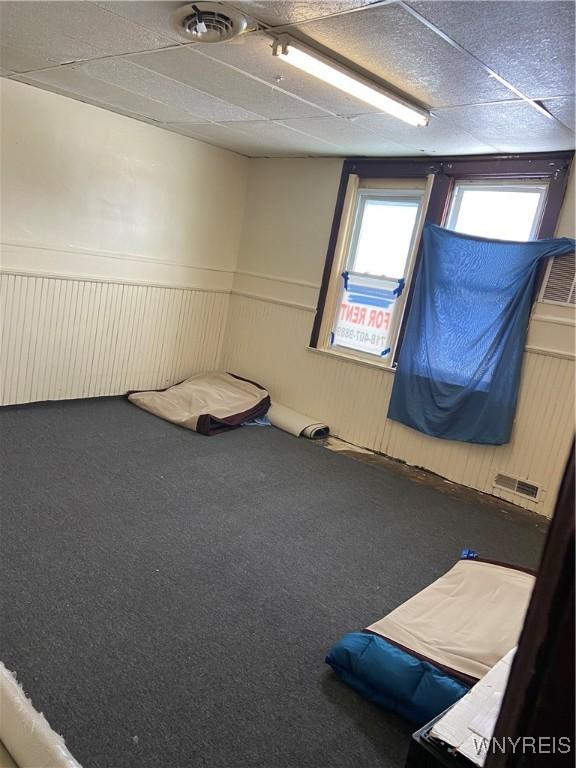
column 385, row 235
column 499, row 213
column 376, row 267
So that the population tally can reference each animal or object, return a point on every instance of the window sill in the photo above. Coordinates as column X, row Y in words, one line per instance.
column 350, row 357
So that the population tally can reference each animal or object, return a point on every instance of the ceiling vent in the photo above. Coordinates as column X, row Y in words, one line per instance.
column 210, row 22
column 517, row 486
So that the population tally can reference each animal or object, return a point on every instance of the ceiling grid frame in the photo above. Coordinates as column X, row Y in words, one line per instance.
column 477, row 127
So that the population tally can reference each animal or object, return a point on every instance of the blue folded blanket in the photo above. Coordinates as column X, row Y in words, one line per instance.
column 394, row 678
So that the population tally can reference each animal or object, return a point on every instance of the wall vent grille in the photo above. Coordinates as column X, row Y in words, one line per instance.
column 560, row 282
column 520, row 487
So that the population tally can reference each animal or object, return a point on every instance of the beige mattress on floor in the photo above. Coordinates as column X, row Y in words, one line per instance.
column 208, row 403
column 466, row 620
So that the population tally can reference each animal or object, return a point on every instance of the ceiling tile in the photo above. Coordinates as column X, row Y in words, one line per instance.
column 371, row 135
column 531, row 44
column 222, row 94
column 224, row 137
column 213, row 132
column 510, row 127
column 43, row 34
column 154, row 15
column 14, row 59
column 183, row 65
column 200, row 106
column 261, row 139
column 253, row 54
column 74, row 81
column 281, row 12
column 389, row 43
column 351, row 136
column 437, row 137
column 564, row 109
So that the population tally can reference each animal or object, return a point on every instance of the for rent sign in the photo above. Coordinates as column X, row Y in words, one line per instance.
column 364, row 317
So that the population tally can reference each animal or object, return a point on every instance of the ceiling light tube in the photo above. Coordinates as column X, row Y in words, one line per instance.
column 349, row 82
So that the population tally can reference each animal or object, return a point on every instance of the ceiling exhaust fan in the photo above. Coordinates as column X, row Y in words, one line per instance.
column 205, row 22
column 212, row 22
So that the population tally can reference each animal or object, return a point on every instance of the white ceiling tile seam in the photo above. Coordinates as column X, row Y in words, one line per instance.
column 492, row 73
column 222, row 123
column 282, row 125
column 188, row 44
column 288, row 27
column 377, row 133
column 95, row 103
column 175, row 46
column 79, row 62
column 105, row 105
column 330, row 113
column 191, row 87
column 439, row 111
column 274, row 86
column 110, row 11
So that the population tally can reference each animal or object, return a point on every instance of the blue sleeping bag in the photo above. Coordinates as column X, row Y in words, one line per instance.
column 393, row 678
column 424, row 655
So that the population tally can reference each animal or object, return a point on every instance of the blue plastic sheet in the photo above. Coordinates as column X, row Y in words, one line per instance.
column 459, row 366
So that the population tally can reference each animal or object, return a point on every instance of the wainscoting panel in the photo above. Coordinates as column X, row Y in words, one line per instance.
column 70, row 338
column 267, row 341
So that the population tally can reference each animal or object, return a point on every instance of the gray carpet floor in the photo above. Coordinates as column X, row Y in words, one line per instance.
column 168, row 599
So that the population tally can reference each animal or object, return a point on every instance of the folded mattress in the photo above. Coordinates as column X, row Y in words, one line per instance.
column 425, row 655
column 208, row 403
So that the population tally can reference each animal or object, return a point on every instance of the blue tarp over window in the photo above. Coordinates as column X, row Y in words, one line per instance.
column 459, row 366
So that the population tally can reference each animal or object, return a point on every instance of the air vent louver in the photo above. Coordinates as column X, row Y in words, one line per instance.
column 520, row 487
column 210, row 22
column 560, row 282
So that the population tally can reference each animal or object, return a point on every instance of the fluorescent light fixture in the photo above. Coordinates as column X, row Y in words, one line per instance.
column 354, row 85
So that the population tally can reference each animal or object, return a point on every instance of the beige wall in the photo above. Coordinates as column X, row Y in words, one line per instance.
column 117, row 237
column 289, row 209
column 289, row 212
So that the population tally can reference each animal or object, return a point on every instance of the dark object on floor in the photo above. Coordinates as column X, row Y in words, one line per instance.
column 425, row 752
column 423, row 657
column 183, row 591
column 539, row 698
column 209, row 403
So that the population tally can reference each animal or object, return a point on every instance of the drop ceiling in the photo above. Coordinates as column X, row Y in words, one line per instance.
column 126, row 57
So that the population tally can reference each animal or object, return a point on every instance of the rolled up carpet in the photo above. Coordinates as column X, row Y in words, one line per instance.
column 296, row 423
column 25, row 733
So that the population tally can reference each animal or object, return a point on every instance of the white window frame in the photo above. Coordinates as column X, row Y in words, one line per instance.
column 512, row 185
column 356, row 193
column 375, row 193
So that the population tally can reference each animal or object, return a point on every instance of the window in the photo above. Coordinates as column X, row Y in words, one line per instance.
column 374, row 247
column 499, row 211
column 375, row 269
column 376, row 253
column 383, row 232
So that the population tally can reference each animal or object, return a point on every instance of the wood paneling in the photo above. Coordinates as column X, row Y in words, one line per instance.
column 71, row 338
column 267, row 342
